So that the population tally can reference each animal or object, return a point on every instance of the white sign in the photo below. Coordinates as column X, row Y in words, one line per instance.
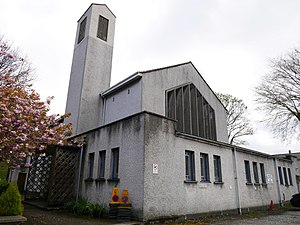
column 269, row 179
column 155, row 168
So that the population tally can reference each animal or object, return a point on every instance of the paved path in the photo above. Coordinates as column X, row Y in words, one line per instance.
column 285, row 218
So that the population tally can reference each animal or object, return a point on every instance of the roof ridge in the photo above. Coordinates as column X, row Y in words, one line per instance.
column 162, row 68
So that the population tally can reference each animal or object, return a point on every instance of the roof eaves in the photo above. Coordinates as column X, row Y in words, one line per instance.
column 122, row 84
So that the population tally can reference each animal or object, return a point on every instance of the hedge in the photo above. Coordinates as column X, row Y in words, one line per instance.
column 10, row 201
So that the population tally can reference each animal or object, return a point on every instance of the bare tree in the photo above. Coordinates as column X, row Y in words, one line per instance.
column 12, row 63
column 238, row 124
column 278, row 96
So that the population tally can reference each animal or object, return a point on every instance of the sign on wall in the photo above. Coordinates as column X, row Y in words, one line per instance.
column 269, row 179
column 155, row 168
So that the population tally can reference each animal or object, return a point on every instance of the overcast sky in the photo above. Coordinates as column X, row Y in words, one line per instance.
column 229, row 41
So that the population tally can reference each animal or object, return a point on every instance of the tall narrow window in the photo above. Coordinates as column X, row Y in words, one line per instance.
column 204, row 167
column 247, row 171
column 285, row 177
column 255, row 172
column 81, row 31
column 189, row 166
column 102, row 164
column 186, row 110
column 102, row 28
column 262, row 173
column 217, row 167
column 280, row 175
column 290, row 176
column 91, row 165
column 115, row 163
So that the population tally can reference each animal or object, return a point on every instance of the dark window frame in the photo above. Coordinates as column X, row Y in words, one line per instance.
column 102, row 159
column 247, row 171
column 286, row 182
column 290, row 176
column 217, row 168
column 82, row 28
column 280, row 175
column 190, row 174
column 115, row 153
column 91, row 159
column 204, row 167
column 102, row 31
column 262, row 173
column 255, row 172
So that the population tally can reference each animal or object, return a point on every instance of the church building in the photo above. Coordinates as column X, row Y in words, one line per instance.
column 161, row 134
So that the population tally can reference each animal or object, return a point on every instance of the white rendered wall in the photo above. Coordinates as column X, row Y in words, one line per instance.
column 157, row 82
column 123, row 103
column 90, row 72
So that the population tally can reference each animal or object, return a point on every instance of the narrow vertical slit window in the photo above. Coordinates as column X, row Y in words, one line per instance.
column 102, row 28
column 290, row 176
column 115, row 163
column 186, row 110
column 285, row 177
column 255, row 172
column 81, row 31
column 189, row 166
column 91, row 164
column 102, row 164
column 217, row 168
column 280, row 175
column 204, row 165
column 247, row 171
column 262, row 173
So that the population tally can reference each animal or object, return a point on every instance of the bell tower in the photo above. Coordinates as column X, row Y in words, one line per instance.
column 91, row 67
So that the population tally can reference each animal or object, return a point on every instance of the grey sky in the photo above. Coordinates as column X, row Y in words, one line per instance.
column 229, row 42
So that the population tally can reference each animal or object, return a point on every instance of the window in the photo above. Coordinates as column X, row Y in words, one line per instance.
column 217, row 167
column 247, row 170
column 91, row 164
column 290, row 176
column 81, row 31
column 280, row 175
column 102, row 28
column 192, row 112
column 255, row 172
column 285, row 177
column 115, row 163
column 102, row 164
column 262, row 173
column 204, row 167
column 189, row 166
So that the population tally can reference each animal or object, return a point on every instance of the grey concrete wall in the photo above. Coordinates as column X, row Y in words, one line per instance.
column 123, row 103
column 287, row 191
column 128, row 136
column 166, row 193
column 90, row 72
column 256, row 195
column 157, row 82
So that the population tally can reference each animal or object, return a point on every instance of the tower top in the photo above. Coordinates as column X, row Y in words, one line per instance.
column 96, row 4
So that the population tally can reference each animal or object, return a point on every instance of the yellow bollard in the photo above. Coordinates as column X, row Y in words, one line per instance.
column 115, row 199
column 125, row 198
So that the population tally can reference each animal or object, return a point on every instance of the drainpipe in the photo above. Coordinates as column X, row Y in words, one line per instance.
column 79, row 173
column 238, row 199
column 277, row 181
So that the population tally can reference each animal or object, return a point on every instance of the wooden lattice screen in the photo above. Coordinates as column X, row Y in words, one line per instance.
column 62, row 187
column 39, row 175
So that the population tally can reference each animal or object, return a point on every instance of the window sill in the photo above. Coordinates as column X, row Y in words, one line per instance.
column 264, row 184
column 113, row 180
column 89, row 179
column 218, row 182
column 100, row 180
column 205, row 181
column 247, row 183
column 190, row 182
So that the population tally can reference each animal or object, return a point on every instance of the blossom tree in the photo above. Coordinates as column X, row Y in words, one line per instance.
column 25, row 126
